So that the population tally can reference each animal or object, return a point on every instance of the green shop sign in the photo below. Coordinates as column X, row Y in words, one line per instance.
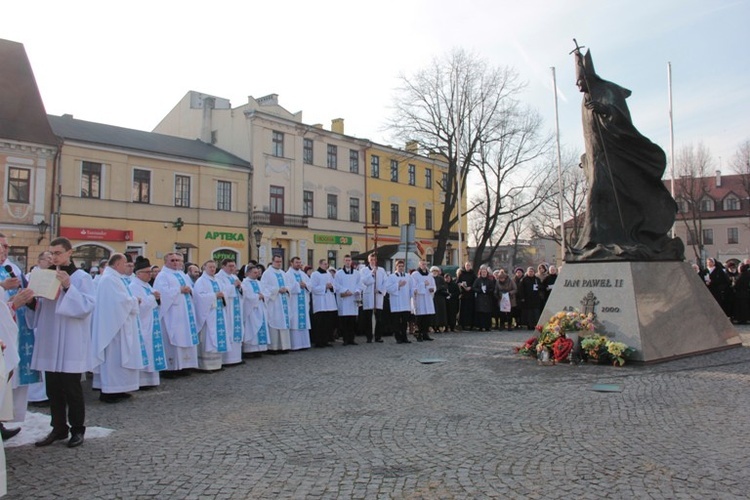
column 330, row 239
column 216, row 235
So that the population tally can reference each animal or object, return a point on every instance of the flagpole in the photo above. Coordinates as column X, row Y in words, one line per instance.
column 560, row 186
column 671, row 133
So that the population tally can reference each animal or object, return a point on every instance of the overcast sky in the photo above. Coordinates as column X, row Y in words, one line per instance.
column 129, row 63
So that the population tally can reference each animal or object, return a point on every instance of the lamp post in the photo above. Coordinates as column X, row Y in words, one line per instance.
column 257, row 234
column 448, row 248
column 42, row 226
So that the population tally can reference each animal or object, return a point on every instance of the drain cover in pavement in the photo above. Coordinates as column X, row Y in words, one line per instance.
column 429, row 361
column 606, row 388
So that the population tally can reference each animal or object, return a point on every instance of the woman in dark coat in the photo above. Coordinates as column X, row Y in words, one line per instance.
column 465, row 278
column 742, row 295
column 505, row 284
column 484, row 297
column 718, row 284
column 441, row 307
column 452, row 300
column 530, row 298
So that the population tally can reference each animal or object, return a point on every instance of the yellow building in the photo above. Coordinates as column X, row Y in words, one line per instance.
column 404, row 187
column 27, row 153
column 124, row 190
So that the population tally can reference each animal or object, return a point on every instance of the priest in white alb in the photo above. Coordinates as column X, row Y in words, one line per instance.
column 254, row 314
column 275, row 286
column 232, row 287
column 178, row 309
column 151, row 324
column 117, row 349
column 299, row 311
column 210, row 311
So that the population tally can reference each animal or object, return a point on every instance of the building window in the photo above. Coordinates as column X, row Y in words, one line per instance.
column 307, row 151
column 91, row 179
column 428, row 178
column 141, row 185
column 375, row 167
column 311, row 257
column 412, row 175
column 19, row 185
column 708, row 236
column 731, row 203
column 333, row 206
column 691, row 237
column 354, row 161
column 277, row 141
column 307, row 203
column 733, row 235
column 20, row 257
column 375, row 212
column 444, row 181
column 224, row 195
column 428, row 218
column 394, row 170
column 332, row 258
column 333, row 157
column 277, row 199
column 181, row 191
column 707, row 205
column 394, row 214
column 354, row 209
column 682, row 205
column 413, row 215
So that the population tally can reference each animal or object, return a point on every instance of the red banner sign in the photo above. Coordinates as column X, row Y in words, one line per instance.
column 84, row 233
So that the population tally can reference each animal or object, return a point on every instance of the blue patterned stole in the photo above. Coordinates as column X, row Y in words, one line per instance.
column 284, row 303
column 144, row 354
column 160, row 362
column 221, row 327
column 236, row 314
column 263, row 332
column 301, row 303
column 189, row 305
column 26, row 375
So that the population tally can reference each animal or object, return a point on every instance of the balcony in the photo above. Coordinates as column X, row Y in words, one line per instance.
column 284, row 220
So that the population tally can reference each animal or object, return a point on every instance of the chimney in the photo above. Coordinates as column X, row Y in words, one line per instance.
column 318, row 125
column 412, row 147
column 270, row 99
column 337, row 125
column 207, row 119
column 718, row 178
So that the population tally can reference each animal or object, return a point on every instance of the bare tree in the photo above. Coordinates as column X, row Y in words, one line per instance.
column 546, row 220
column 741, row 165
column 450, row 108
column 514, row 181
column 693, row 166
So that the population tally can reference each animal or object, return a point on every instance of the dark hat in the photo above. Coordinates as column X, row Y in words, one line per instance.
column 141, row 263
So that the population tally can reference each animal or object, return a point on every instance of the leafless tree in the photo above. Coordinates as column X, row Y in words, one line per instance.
column 741, row 165
column 693, row 165
column 452, row 108
column 546, row 220
column 514, row 179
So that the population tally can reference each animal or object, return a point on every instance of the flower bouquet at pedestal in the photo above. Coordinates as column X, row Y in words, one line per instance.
column 602, row 350
column 553, row 343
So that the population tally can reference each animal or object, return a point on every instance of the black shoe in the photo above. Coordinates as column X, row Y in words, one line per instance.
column 51, row 438
column 75, row 440
column 8, row 433
column 114, row 397
column 419, row 338
column 369, row 341
column 379, row 341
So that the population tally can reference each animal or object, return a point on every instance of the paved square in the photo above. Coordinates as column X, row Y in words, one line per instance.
column 371, row 421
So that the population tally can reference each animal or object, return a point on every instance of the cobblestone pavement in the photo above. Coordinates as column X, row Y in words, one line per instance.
column 371, row 421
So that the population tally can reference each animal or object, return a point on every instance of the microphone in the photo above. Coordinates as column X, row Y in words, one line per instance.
column 9, row 269
column 223, row 302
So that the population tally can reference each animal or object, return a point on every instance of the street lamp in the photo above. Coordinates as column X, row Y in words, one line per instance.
column 257, row 234
column 42, row 226
column 448, row 249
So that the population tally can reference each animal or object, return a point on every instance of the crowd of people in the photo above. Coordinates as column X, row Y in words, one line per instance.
column 130, row 323
column 730, row 286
